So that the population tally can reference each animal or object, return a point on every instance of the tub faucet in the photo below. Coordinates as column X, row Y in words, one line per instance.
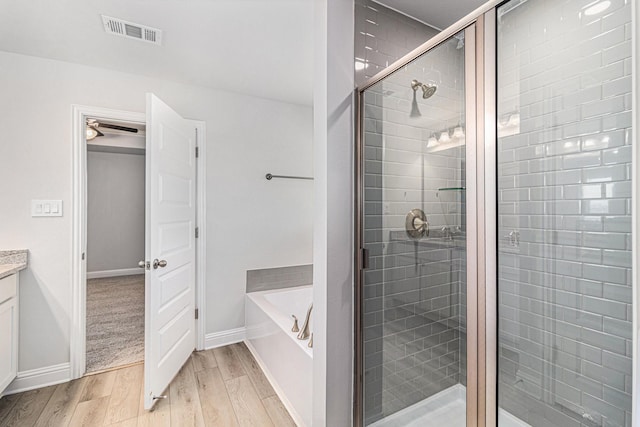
column 305, row 333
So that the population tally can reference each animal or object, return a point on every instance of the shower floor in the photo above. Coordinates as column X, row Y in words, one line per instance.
column 446, row 408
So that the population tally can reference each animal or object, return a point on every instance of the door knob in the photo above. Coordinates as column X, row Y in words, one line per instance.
column 142, row 264
column 159, row 263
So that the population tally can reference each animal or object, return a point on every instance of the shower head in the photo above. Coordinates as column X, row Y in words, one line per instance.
column 415, row 111
column 428, row 89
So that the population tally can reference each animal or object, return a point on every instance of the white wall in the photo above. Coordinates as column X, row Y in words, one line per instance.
column 333, row 227
column 252, row 223
column 115, row 210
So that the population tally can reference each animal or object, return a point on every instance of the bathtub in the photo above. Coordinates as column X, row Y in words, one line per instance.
column 286, row 361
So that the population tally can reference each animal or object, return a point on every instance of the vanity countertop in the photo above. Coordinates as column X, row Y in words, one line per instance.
column 12, row 262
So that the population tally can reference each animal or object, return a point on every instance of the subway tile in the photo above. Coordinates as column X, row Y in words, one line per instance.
column 613, row 414
column 617, row 398
column 616, row 53
column 582, row 223
column 617, row 258
column 604, row 341
column 605, row 273
column 582, row 318
column 582, row 160
column 604, row 240
column 618, row 362
column 616, row 87
column 604, row 307
column 590, row 191
column 617, row 155
column 620, row 328
column 562, row 177
column 604, row 207
column 622, row 293
column 603, row 140
column 604, row 174
column 618, row 189
column 621, row 224
column 617, row 121
column 604, row 106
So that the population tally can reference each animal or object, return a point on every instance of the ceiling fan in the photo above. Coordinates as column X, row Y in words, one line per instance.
column 94, row 132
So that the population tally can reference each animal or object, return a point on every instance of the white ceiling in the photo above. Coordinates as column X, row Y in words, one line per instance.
column 261, row 47
column 437, row 13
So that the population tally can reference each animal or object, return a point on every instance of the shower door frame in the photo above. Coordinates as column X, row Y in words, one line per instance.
column 480, row 105
column 482, row 367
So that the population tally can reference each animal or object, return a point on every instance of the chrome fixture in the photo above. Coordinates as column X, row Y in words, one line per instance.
column 159, row 263
column 415, row 111
column 446, row 233
column 513, row 239
column 271, row 176
column 295, row 327
column 310, row 345
column 305, row 333
column 428, row 89
column 94, row 132
column 416, row 224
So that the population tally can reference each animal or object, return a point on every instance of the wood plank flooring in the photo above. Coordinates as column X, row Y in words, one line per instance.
column 223, row 387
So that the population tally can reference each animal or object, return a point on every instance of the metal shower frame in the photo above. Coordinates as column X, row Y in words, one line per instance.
column 480, row 109
column 482, row 312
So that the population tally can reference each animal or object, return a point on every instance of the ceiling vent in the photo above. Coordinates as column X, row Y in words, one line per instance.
column 119, row 27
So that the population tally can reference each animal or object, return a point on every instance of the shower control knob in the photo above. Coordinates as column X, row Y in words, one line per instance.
column 159, row 263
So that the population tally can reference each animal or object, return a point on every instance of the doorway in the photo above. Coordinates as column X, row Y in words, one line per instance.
column 174, row 239
column 115, row 244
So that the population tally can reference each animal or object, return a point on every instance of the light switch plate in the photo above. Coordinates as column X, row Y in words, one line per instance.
column 46, row 207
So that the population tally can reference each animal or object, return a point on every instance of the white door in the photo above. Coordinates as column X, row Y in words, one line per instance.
column 170, row 246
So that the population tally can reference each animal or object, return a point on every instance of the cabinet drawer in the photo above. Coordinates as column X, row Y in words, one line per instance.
column 8, row 287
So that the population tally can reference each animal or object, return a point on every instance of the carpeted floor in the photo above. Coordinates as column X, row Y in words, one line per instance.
column 115, row 322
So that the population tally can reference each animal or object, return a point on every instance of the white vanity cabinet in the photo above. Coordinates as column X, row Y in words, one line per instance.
column 8, row 330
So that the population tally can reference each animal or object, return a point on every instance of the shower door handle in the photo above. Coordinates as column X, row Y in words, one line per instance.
column 159, row 263
column 365, row 258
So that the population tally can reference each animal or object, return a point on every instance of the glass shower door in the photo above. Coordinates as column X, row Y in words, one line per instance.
column 564, row 213
column 415, row 225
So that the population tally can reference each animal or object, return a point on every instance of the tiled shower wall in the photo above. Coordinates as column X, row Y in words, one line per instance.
column 414, row 289
column 565, row 193
column 383, row 36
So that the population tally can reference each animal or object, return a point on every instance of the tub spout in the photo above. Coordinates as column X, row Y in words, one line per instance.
column 305, row 332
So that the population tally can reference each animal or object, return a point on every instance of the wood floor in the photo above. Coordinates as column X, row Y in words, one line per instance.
column 221, row 387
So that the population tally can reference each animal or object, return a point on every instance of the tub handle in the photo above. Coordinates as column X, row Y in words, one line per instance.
column 295, row 324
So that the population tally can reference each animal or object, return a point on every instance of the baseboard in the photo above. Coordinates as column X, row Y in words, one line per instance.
column 37, row 378
column 283, row 397
column 114, row 273
column 219, row 339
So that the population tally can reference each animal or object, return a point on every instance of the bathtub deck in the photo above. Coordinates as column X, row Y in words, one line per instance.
column 224, row 387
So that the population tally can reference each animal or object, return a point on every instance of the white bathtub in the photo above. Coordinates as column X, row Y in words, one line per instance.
column 286, row 361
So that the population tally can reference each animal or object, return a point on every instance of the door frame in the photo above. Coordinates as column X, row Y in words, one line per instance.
column 473, row 32
column 77, row 333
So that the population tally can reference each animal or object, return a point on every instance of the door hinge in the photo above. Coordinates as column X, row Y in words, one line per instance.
column 197, row 232
column 197, row 313
column 197, row 152
column 364, row 260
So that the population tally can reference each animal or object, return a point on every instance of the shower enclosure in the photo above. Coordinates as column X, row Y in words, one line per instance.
column 493, row 223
